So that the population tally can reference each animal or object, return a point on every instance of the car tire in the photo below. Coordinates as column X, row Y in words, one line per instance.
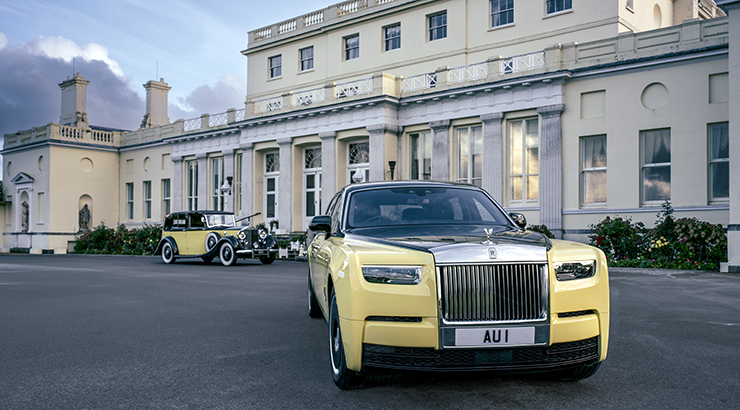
column 344, row 378
column 577, row 373
column 227, row 254
column 168, row 253
column 211, row 241
column 314, row 310
column 266, row 260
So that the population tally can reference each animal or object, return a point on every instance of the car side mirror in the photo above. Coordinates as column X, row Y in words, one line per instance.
column 321, row 223
column 519, row 219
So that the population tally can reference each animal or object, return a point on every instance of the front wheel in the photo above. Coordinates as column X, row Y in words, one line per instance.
column 168, row 253
column 344, row 378
column 266, row 260
column 227, row 254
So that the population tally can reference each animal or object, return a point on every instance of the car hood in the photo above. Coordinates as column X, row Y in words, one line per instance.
column 464, row 243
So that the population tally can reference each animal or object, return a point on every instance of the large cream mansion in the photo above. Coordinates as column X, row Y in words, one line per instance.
column 564, row 110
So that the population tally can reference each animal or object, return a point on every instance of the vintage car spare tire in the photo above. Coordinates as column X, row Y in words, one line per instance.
column 211, row 241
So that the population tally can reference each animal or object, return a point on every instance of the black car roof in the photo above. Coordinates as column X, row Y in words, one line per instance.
column 204, row 212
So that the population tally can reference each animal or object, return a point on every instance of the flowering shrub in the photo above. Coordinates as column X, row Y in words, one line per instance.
column 120, row 241
column 684, row 243
column 541, row 229
column 619, row 238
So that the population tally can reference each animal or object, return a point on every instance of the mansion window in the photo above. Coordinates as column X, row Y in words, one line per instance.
column 420, row 145
column 358, row 161
column 130, row 200
column 593, row 169
column 556, row 6
column 438, row 26
column 719, row 162
column 524, row 161
column 352, row 47
column 147, row 199
column 307, row 59
column 312, row 182
column 272, row 174
column 276, row 66
column 192, row 184
column 166, row 197
column 217, row 179
column 656, row 165
column 392, row 37
column 469, row 146
column 502, row 12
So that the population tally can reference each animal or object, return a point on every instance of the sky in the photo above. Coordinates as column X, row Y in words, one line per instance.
column 119, row 45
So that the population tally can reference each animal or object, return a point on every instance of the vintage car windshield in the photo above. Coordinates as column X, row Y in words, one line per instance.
column 220, row 220
column 429, row 206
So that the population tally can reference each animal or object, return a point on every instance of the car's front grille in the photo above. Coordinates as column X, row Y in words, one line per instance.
column 558, row 354
column 500, row 292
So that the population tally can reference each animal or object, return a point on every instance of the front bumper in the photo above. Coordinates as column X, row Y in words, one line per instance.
column 505, row 359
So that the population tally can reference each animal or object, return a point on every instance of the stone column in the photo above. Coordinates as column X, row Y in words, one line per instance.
column 551, row 168
column 228, row 172
column 382, row 138
column 247, row 178
column 177, row 203
column 204, row 200
column 328, row 169
column 285, row 192
column 493, row 155
column 732, row 7
column 440, row 150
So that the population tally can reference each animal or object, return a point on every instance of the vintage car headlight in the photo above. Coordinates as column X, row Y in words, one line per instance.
column 263, row 234
column 574, row 270
column 396, row 275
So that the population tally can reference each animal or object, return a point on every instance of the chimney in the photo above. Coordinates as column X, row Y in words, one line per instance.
column 156, row 104
column 74, row 102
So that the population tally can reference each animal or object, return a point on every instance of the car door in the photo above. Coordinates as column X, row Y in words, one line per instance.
column 320, row 255
column 196, row 241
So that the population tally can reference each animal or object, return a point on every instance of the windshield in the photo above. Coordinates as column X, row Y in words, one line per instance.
column 413, row 206
column 220, row 220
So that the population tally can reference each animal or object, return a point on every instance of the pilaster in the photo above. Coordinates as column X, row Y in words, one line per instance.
column 229, row 172
column 493, row 156
column 382, row 149
column 177, row 184
column 285, row 201
column 328, row 168
column 246, row 177
column 203, row 198
column 551, row 168
column 440, row 150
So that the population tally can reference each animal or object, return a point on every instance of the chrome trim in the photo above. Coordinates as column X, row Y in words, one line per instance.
column 470, row 253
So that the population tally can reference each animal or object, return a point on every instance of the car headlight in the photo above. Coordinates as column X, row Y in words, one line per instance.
column 263, row 234
column 396, row 275
column 574, row 270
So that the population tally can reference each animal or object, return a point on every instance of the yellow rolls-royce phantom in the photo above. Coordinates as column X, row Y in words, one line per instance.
column 437, row 276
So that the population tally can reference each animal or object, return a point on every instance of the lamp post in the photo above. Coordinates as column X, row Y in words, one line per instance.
column 392, row 165
column 226, row 190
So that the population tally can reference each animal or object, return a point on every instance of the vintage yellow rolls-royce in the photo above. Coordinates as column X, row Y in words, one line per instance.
column 437, row 276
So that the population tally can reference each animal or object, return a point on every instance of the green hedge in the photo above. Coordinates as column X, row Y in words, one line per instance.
column 119, row 241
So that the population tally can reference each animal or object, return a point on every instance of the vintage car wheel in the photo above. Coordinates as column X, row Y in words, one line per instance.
column 344, row 378
column 314, row 310
column 168, row 253
column 577, row 373
column 266, row 260
column 207, row 259
column 227, row 254
column 211, row 241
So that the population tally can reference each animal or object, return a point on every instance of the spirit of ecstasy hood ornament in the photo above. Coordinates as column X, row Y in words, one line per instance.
column 489, row 232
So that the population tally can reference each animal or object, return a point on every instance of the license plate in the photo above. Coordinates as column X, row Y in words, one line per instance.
column 494, row 336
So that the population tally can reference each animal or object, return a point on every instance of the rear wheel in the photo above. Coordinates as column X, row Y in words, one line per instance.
column 168, row 253
column 227, row 254
column 344, row 378
column 267, row 259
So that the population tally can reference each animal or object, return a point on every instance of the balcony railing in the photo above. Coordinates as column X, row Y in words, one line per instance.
column 308, row 97
column 522, row 62
column 191, row 124
column 353, row 88
column 351, row 7
column 267, row 105
column 467, row 73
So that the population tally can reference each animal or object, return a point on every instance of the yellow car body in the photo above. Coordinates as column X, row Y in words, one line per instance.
column 467, row 291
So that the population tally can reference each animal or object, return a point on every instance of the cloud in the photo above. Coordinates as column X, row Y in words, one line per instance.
column 227, row 93
column 3, row 40
column 29, row 86
column 66, row 49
